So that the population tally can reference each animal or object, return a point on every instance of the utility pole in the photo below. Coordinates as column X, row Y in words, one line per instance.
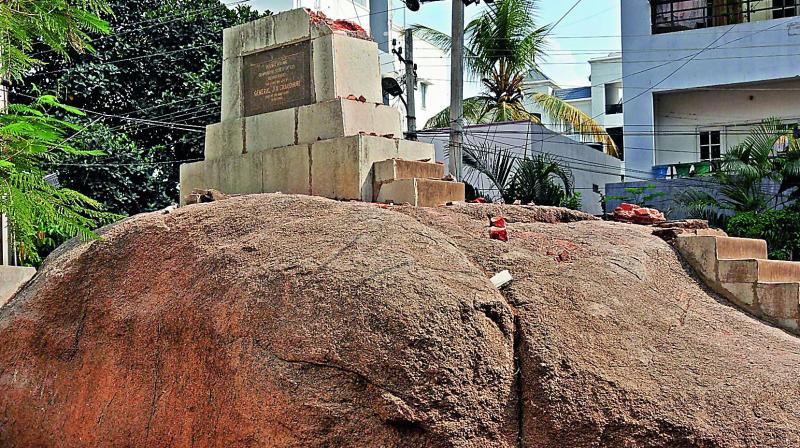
column 457, row 90
column 411, row 84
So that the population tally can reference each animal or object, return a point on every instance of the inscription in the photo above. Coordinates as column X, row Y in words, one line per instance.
column 277, row 79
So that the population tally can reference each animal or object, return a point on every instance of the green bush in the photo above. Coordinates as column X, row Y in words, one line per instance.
column 780, row 228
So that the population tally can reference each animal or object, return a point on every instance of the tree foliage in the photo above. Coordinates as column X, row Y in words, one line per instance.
column 746, row 170
column 541, row 179
column 780, row 228
column 162, row 65
column 31, row 137
column 503, row 45
column 60, row 25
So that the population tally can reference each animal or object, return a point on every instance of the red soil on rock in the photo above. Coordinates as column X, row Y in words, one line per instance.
column 289, row 321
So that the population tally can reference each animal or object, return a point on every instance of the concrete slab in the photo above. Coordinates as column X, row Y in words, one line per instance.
column 12, row 279
column 345, row 66
column 271, row 130
column 231, row 89
column 224, row 139
column 740, row 248
column 421, row 192
column 412, row 150
column 701, row 253
column 241, row 174
column 432, row 193
column 738, row 271
column 344, row 118
column 393, row 169
column 286, row 170
column 779, row 300
column 742, row 294
column 192, row 176
column 370, row 118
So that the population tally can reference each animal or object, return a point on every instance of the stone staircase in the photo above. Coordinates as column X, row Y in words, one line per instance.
column 739, row 269
column 414, row 182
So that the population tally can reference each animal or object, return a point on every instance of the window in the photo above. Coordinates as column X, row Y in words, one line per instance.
column 618, row 135
column 783, row 8
column 710, row 145
column 613, row 98
column 423, row 93
column 678, row 15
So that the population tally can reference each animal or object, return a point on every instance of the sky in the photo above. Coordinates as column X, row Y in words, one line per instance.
column 571, row 44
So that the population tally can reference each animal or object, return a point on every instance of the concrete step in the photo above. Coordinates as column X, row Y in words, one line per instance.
column 421, row 192
column 394, row 169
column 779, row 302
column 753, row 270
column 729, row 248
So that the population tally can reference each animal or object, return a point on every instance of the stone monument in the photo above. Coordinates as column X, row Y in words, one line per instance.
column 302, row 114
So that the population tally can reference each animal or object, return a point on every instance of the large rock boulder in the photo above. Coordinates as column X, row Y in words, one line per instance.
column 292, row 321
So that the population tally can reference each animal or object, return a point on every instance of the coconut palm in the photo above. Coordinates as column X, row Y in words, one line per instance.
column 502, row 46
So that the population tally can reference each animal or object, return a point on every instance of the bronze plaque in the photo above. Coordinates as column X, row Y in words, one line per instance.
column 277, row 79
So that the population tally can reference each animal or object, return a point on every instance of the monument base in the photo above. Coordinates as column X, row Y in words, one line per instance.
column 340, row 168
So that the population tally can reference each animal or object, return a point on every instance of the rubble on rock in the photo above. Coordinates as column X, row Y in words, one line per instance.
column 337, row 25
column 291, row 321
column 632, row 213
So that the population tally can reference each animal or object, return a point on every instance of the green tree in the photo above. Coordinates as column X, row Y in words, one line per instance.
column 640, row 196
column 541, row 179
column 502, row 46
column 30, row 136
column 745, row 170
column 162, row 67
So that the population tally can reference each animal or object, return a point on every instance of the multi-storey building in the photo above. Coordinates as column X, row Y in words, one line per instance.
column 699, row 73
column 602, row 99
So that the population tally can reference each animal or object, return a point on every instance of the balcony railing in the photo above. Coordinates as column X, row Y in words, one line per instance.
column 670, row 15
column 612, row 109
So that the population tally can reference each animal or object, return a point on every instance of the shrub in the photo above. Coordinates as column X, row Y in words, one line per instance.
column 780, row 228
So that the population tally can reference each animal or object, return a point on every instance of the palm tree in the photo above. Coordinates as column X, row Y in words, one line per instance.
column 502, row 46
column 745, row 169
column 541, row 180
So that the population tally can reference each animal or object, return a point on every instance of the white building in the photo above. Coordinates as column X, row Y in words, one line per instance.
column 699, row 73
column 601, row 99
column 432, row 94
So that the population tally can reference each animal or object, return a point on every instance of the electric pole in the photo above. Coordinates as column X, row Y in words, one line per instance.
column 457, row 90
column 411, row 84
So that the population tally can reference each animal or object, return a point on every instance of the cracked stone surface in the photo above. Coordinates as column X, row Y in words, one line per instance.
column 289, row 321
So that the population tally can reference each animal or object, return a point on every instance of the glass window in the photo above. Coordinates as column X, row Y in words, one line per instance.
column 784, row 8
column 423, row 93
column 673, row 15
column 710, row 145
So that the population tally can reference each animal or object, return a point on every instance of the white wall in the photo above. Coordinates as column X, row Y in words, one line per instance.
column 605, row 71
column 741, row 53
column 679, row 115
column 433, row 69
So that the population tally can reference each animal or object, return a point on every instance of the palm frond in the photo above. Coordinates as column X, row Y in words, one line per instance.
column 495, row 162
column 564, row 113
column 475, row 112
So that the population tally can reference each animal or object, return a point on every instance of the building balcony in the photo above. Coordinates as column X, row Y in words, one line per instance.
column 671, row 15
column 613, row 109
